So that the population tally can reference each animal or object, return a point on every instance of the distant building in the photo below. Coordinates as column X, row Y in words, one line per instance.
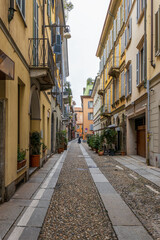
column 87, row 107
column 79, row 122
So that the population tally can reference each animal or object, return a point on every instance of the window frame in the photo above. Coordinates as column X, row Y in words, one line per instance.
column 21, row 4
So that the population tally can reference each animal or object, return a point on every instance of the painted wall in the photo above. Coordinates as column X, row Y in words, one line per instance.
column 86, row 122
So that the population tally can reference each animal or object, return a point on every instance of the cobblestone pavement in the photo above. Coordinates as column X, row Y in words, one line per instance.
column 134, row 191
column 76, row 210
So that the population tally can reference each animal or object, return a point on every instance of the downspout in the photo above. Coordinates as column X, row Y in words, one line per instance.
column 146, row 81
column 152, row 64
column 43, row 32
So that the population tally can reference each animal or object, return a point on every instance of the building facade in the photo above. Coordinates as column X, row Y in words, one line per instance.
column 79, row 122
column 29, row 69
column 87, row 107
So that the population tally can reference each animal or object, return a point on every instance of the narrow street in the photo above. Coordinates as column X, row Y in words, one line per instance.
column 79, row 195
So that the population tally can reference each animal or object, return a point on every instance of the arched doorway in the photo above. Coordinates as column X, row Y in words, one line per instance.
column 34, row 111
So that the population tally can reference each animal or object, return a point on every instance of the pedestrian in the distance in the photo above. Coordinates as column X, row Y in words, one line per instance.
column 79, row 140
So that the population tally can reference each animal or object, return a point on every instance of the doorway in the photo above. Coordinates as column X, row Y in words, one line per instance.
column 2, row 150
column 141, row 141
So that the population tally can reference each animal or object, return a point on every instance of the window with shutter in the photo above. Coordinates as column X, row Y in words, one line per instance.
column 126, row 39
column 113, row 92
column 117, row 89
column 109, row 100
column 126, row 10
column 21, row 5
column 106, row 74
column 111, row 39
column 142, row 63
column 130, row 28
column 137, row 68
column 130, row 80
column 106, row 99
column 57, row 45
column 115, row 30
column 107, row 48
column 122, row 84
column 126, row 80
column 157, row 33
column 138, row 9
column 35, row 33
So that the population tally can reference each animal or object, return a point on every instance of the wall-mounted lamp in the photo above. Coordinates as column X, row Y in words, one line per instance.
column 67, row 34
column 11, row 11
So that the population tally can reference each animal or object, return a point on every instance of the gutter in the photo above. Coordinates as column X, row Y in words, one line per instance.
column 152, row 64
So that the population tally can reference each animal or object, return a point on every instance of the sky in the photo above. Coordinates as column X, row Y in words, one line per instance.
column 86, row 22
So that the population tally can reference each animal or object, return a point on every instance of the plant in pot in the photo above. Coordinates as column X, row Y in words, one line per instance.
column 35, row 142
column 110, row 135
column 101, row 148
column 44, row 147
column 21, row 161
column 96, row 142
column 60, row 141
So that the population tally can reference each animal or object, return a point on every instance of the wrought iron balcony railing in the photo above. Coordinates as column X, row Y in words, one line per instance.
column 41, row 54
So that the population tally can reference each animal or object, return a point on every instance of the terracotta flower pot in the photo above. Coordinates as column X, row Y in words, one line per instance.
column 35, row 160
column 123, row 153
column 21, row 164
column 101, row 153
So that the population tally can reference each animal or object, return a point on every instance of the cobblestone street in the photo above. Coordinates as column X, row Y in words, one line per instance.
column 79, row 195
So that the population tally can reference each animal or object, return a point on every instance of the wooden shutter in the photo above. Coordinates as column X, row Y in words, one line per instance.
column 115, row 30
column 118, row 20
column 156, row 33
column 130, row 80
column 123, row 12
column 126, row 39
column 106, row 74
column 106, row 99
column 23, row 8
column 126, row 80
column 89, row 117
column 130, row 28
column 137, row 68
column 122, row 84
column 111, row 38
column 113, row 92
column 143, row 67
column 126, row 10
column 138, row 9
column 117, row 89
column 109, row 100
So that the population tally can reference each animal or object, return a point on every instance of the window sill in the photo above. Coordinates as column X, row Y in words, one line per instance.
column 19, row 10
column 128, row 96
column 140, row 84
column 122, row 98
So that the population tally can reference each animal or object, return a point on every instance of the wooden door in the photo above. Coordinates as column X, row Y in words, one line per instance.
column 141, row 141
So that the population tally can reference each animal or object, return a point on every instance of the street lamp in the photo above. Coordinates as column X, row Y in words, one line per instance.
column 67, row 34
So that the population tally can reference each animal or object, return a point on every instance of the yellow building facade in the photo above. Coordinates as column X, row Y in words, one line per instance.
column 121, row 51
column 28, row 72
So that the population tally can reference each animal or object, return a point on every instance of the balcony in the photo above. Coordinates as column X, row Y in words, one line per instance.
column 100, row 92
column 104, row 111
column 65, row 97
column 41, row 62
column 114, row 67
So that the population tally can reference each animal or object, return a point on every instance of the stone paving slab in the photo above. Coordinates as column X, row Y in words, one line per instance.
column 37, row 217
column 26, row 191
column 99, row 178
column 105, row 188
column 4, row 226
column 131, row 233
column 30, row 233
column 119, row 213
column 9, row 212
column 94, row 171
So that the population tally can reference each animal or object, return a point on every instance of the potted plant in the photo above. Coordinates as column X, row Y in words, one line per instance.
column 44, row 147
column 21, row 161
column 110, row 135
column 100, row 148
column 60, row 141
column 96, row 143
column 35, row 143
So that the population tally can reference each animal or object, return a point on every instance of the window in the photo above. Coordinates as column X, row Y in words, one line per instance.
column 128, row 81
column 157, row 33
column 91, row 127
column 122, row 84
column 90, row 104
column 128, row 6
column 109, row 100
column 117, row 56
column 21, row 5
column 140, row 8
column 123, row 43
column 115, row 29
column 128, row 32
column 90, row 116
column 140, row 66
column 78, row 127
column 90, row 92
column 106, row 74
column 117, row 89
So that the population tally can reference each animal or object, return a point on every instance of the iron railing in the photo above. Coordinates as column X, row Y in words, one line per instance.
column 41, row 54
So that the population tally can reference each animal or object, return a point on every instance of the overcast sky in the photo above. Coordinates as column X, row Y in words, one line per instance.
column 86, row 22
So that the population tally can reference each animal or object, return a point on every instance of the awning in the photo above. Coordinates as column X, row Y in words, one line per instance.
column 6, row 67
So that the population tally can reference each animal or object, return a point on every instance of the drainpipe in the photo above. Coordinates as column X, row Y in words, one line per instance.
column 152, row 64
column 146, row 81
column 43, row 32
